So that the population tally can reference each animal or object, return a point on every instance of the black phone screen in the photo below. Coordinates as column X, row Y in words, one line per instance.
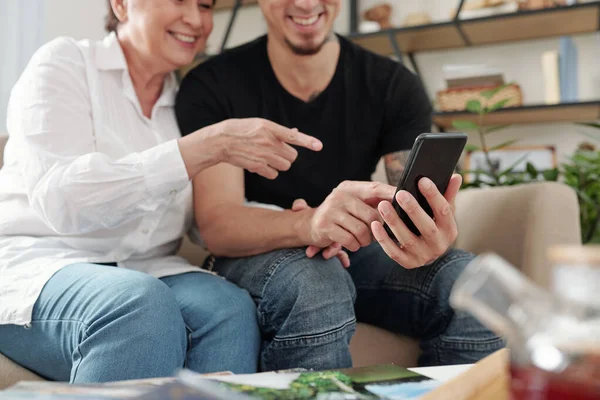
column 435, row 156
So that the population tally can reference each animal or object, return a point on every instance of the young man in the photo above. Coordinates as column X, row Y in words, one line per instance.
column 362, row 107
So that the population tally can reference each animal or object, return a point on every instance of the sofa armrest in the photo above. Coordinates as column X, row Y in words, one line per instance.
column 519, row 223
column 11, row 373
column 3, row 140
column 193, row 253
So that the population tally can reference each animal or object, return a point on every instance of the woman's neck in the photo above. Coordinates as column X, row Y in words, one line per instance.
column 147, row 79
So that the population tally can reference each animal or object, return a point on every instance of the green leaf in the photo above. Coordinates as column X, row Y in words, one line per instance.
column 591, row 124
column 570, row 169
column 471, row 147
column 510, row 169
column 551, row 175
column 584, row 196
column 498, row 105
column 479, row 172
column 495, row 128
column 474, row 106
column 531, row 170
column 503, row 145
column 488, row 94
column 465, row 125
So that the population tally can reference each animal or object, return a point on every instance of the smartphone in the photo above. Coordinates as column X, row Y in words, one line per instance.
column 435, row 156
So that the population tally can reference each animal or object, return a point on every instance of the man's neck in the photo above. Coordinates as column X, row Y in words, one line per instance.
column 306, row 76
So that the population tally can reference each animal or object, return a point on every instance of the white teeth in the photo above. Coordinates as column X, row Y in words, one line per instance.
column 184, row 38
column 305, row 21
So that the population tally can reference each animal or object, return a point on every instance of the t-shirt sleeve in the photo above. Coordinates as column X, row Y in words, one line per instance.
column 407, row 112
column 200, row 101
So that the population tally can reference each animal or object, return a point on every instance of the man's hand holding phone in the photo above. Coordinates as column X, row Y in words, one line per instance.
column 437, row 233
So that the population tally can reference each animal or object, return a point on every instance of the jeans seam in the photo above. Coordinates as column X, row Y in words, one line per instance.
column 447, row 258
column 61, row 320
column 189, row 342
column 75, row 368
column 317, row 335
column 286, row 255
column 394, row 288
column 470, row 344
column 275, row 265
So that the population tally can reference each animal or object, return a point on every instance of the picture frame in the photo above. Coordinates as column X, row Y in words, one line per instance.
column 541, row 157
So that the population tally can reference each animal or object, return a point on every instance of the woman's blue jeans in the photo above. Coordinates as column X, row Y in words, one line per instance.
column 95, row 323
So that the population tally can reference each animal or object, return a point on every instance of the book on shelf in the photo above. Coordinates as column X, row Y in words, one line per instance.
column 568, row 70
column 464, row 76
column 560, row 72
column 550, row 72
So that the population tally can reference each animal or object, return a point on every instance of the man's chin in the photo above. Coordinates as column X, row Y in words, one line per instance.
column 305, row 50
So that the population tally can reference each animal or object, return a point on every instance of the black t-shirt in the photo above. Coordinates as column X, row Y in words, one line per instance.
column 373, row 106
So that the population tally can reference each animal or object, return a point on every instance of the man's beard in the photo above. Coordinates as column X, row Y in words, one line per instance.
column 303, row 51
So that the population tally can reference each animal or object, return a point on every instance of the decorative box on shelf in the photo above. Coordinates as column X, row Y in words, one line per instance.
column 456, row 99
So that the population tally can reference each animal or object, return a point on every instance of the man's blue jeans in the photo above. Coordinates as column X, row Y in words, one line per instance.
column 96, row 323
column 307, row 307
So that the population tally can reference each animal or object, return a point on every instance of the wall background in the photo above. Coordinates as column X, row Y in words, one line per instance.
column 520, row 62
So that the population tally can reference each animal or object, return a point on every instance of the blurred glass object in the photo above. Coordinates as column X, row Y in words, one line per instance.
column 553, row 336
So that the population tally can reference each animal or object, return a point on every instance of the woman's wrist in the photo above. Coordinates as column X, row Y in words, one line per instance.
column 202, row 149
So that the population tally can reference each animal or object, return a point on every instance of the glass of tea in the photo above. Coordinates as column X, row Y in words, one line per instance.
column 564, row 359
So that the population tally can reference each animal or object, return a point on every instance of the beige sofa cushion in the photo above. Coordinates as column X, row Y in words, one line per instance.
column 519, row 223
column 11, row 373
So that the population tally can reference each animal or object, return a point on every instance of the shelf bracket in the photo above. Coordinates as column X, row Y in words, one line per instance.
column 413, row 61
column 462, row 34
column 395, row 46
column 234, row 12
column 353, row 16
column 460, row 6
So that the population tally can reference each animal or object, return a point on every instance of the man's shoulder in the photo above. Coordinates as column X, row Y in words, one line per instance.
column 379, row 73
column 378, row 70
column 236, row 60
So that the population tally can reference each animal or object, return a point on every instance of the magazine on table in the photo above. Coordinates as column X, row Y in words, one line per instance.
column 377, row 382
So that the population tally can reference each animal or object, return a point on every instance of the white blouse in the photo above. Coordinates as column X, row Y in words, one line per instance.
column 87, row 177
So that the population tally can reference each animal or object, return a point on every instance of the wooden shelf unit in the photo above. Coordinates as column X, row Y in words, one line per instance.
column 523, row 25
column 576, row 19
column 564, row 112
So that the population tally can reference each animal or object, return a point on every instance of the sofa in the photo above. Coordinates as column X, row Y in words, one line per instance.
column 519, row 223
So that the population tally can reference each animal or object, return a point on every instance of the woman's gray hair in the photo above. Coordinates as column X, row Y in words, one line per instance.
column 111, row 21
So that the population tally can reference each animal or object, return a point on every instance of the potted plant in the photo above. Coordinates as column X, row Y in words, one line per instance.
column 581, row 171
column 493, row 176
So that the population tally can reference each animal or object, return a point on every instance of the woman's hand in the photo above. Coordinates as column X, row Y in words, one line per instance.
column 333, row 250
column 255, row 144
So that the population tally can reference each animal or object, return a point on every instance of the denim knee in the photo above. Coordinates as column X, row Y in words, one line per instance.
column 444, row 272
column 236, row 307
column 142, row 311
column 308, row 299
column 451, row 337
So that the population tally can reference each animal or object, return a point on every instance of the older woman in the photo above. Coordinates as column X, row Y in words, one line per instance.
column 95, row 196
